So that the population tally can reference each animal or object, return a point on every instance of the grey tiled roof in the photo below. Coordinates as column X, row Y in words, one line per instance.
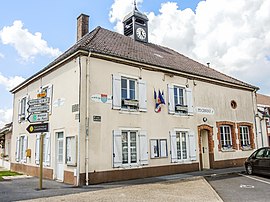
column 110, row 43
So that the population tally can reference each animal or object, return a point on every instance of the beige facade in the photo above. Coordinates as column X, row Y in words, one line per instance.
column 122, row 109
column 99, row 120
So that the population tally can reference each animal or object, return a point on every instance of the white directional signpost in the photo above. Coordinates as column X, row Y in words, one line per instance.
column 38, row 110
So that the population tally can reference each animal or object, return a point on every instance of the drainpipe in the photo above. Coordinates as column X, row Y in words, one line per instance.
column 255, row 114
column 87, row 119
column 79, row 123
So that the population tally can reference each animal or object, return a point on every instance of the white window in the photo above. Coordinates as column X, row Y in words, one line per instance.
column 46, row 149
column 226, row 137
column 129, row 93
column 244, row 136
column 71, row 149
column 130, row 148
column 180, row 100
column 22, row 114
column 158, row 148
column 21, row 146
column 183, row 146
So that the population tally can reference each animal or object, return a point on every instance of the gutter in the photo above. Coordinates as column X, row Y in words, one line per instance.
column 79, row 126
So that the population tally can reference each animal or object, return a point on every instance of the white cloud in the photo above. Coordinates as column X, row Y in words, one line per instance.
column 27, row 45
column 232, row 35
column 10, row 82
column 2, row 55
column 119, row 10
column 5, row 117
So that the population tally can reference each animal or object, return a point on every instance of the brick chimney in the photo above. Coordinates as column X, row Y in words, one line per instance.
column 82, row 26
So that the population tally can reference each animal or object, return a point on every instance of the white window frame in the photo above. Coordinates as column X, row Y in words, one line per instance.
column 181, row 135
column 129, row 163
column 191, row 146
column 223, row 135
column 187, row 99
column 128, row 79
column 178, row 95
column 158, row 149
column 140, row 93
column 141, row 148
column 244, row 136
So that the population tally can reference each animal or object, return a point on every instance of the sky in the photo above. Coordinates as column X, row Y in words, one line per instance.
column 233, row 35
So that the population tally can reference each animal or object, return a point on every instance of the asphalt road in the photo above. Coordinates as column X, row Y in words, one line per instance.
column 241, row 187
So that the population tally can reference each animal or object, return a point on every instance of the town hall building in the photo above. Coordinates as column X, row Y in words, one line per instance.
column 117, row 107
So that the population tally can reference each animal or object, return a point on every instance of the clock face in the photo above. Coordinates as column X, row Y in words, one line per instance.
column 141, row 34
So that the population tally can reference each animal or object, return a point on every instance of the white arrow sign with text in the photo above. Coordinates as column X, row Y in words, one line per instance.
column 33, row 118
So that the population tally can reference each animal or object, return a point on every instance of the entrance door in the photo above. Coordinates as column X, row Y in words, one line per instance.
column 60, row 156
column 205, row 149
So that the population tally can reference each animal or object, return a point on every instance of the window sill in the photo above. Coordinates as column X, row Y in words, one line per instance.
column 125, row 111
column 228, row 150
column 184, row 162
column 162, row 157
column 126, row 167
column 246, row 148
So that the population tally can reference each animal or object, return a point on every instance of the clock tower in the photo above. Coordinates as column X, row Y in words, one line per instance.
column 136, row 25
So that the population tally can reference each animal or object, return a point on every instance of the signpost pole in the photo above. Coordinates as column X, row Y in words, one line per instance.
column 41, row 160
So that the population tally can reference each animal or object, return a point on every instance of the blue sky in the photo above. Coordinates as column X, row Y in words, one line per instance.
column 194, row 30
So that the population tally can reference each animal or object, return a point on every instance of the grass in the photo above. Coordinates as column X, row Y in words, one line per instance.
column 7, row 173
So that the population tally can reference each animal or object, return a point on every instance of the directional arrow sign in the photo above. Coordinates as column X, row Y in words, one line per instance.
column 39, row 108
column 33, row 118
column 38, row 128
column 39, row 101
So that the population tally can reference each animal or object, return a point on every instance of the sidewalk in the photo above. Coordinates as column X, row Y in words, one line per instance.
column 188, row 190
column 180, row 187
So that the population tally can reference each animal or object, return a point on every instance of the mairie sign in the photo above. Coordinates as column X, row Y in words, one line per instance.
column 38, row 128
column 40, row 117
column 38, row 101
column 38, row 108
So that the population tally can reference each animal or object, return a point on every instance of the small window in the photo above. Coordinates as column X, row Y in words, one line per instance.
column 180, row 100
column 158, row 148
column 233, row 104
column 244, row 136
column 128, row 93
column 226, row 137
column 181, row 145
